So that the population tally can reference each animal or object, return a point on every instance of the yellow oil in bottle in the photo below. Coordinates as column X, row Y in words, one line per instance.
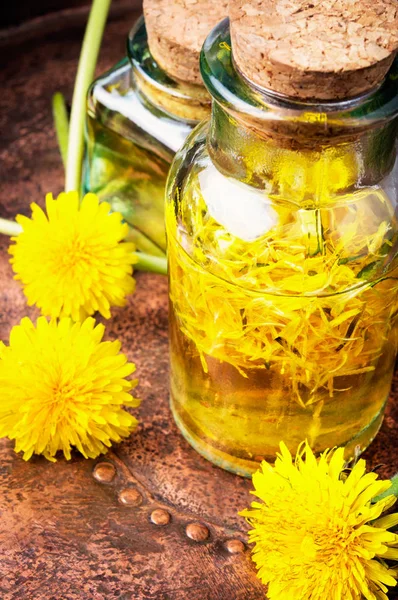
column 288, row 336
column 238, row 418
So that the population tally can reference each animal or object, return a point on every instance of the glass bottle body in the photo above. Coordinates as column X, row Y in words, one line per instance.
column 283, row 286
column 137, row 118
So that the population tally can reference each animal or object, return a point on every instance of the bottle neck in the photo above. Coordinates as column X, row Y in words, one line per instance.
column 184, row 101
column 299, row 151
column 289, row 162
column 191, row 103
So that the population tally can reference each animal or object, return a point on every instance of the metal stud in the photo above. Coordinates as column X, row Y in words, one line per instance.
column 130, row 497
column 234, row 546
column 104, row 472
column 197, row 532
column 160, row 517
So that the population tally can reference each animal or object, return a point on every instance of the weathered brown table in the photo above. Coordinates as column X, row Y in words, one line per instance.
column 87, row 529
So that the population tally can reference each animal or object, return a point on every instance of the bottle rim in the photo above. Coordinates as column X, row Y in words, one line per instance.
column 250, row 102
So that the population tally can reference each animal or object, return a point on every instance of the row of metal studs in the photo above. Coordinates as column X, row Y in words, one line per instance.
column 105, row 472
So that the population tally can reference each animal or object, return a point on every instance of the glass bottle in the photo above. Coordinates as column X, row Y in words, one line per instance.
column 137, row 117
column 283, row 266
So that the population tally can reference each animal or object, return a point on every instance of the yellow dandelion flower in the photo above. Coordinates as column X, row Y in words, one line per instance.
column 318, row 531
column 72, row 261
column 61, row 386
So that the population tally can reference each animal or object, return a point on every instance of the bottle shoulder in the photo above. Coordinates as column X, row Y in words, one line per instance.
column 115, row 101
column 267, row 240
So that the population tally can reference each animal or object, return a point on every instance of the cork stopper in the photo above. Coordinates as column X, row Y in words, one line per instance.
column 314, row 50
column 176, row 31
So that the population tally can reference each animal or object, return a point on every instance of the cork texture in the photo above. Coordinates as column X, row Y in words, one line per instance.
column 176, row 31
column 320, row 50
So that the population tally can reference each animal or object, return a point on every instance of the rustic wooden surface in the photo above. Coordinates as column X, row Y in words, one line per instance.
column 68, row 531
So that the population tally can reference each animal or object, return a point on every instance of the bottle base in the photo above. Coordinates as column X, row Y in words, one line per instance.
column 246, row 468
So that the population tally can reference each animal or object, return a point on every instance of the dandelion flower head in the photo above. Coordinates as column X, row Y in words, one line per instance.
column 63, row 387
column 318, row 532
column 72, row 261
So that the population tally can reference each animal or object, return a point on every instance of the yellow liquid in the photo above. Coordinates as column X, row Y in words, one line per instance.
column 237, row 417
column 250, row 369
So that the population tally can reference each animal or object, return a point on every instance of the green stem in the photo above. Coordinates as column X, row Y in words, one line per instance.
column 61, row 122
column 152, row 264
column 392, row 491
column 85, row 74
column 143, row 243
column 10, row 228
